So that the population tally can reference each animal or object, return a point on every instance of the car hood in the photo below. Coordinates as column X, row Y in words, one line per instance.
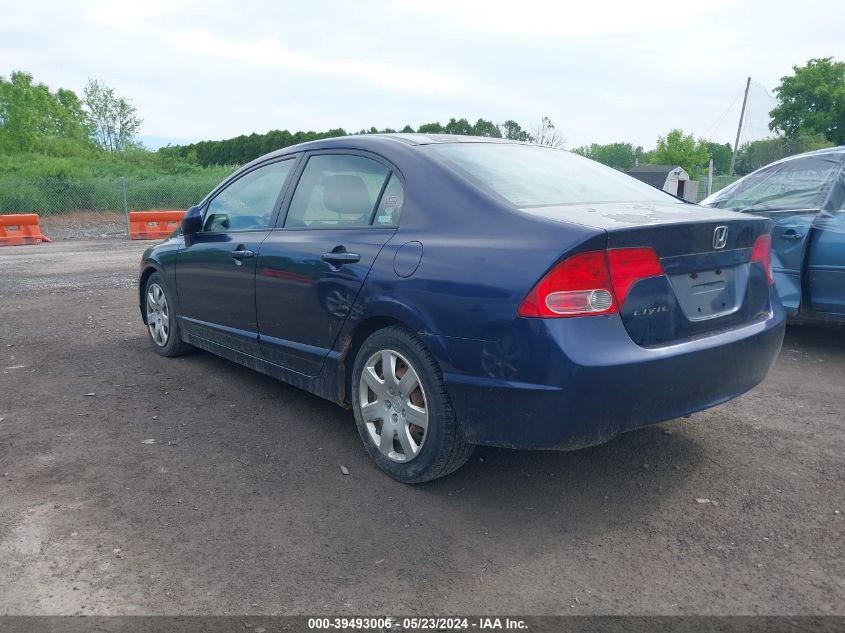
column 621, row 215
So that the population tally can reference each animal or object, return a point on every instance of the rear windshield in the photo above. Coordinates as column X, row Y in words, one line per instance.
column 803, row 183
column 534, row 176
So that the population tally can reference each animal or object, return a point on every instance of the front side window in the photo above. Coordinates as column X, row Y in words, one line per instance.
column 534, row 176
column 248, row 203
column 337, row 191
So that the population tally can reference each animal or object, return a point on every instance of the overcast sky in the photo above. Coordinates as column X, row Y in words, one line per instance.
column 603, row 71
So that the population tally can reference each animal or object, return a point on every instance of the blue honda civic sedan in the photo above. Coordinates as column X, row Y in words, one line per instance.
column 457, row 291
column 804, row 196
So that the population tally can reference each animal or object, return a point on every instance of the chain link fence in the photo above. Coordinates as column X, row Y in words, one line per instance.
column 53, row 196
column 99, row 206
column 719, row 183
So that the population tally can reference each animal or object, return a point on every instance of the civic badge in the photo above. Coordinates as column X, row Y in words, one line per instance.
column 720, row 237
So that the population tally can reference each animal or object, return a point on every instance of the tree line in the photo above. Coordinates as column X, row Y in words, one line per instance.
column 246, row 147
column 40, row 122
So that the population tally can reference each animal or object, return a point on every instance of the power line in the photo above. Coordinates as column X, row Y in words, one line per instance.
column 722, row 117
column 765, row 91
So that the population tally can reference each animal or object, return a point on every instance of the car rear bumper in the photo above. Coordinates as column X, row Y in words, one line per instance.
column 570, row 383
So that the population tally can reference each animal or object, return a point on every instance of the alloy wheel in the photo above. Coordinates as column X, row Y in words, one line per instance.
column 158, row 315
column 393, row 405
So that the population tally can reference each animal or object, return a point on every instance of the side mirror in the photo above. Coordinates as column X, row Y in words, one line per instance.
column 192, row 222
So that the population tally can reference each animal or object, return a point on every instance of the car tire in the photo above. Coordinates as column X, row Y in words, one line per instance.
column 162, row 326
column 409, row 452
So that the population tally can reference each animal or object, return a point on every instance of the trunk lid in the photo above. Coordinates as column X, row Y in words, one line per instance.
column 710, row 283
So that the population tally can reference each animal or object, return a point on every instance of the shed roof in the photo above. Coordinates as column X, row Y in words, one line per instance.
column 654, row 175
column 652, row 169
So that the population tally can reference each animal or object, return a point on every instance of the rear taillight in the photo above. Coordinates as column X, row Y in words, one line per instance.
column 762, row 253
column 576, row 286
column 629, row 265
column 596, row 282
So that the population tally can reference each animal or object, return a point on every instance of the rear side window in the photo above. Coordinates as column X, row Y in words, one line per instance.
column 337, row 191
column 391, row 203
column 248, row 203
column 533, row 176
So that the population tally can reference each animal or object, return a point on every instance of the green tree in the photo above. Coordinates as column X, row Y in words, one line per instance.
column 25, row 112
column 721, row 154
column 677, row 148
column 621, row 156
column 513, row 131
column 114, row 119
column 32, row 118
column 812, row 101
column 459, row 126
column 483, row 127
column 431, row 128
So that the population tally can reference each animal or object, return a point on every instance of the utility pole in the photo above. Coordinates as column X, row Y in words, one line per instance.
column 739, row 127
column 710, row 178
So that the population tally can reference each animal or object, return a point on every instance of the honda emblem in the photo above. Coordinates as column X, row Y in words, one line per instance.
column 720, row 237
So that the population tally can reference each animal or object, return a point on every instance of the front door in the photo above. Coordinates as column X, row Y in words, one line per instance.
column 215, row 270
column 343, row 211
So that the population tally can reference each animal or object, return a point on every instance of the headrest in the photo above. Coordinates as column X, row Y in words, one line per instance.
column 346, row 193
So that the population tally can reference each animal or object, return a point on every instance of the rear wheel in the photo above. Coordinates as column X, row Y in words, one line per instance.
column 161, row 321
column 402, row 410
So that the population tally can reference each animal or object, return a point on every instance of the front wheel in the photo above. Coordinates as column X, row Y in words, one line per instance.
column 402, row 411
column 161, row 321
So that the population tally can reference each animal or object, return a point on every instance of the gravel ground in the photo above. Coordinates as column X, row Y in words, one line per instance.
column 135, row 484
column 83, row 225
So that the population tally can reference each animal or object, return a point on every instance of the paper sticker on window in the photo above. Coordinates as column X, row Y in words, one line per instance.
column 390, row 202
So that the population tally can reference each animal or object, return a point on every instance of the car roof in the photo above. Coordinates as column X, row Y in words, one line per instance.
column 835, row 182
column 838, row 152
column 377, row 142
column 430, row 139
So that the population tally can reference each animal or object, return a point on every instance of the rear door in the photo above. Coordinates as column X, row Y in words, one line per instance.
column 345, row 207
column 826, row 263
column 215, row 270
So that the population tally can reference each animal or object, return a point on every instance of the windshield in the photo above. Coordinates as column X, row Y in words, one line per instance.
column 802, row 183
column 533, row 176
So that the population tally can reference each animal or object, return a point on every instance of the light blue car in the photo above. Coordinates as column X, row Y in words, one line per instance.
column 805, row 197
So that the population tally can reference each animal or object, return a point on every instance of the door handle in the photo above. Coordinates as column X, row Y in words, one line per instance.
column 242, row 253
column 791, row 234
column 341, row 258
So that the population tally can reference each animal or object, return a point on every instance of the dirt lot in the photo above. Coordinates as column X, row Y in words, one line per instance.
column 240, row 505
column 84, row 225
